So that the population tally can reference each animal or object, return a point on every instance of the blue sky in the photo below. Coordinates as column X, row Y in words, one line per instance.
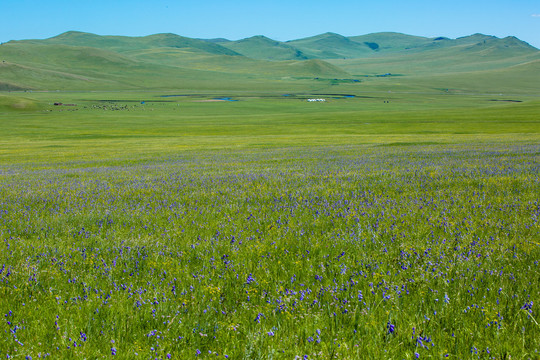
column 279, row 19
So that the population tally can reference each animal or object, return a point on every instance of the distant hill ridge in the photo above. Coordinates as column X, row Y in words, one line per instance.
column 261, row 47
column 324, row 46
column 127, row 43
column 79, row 60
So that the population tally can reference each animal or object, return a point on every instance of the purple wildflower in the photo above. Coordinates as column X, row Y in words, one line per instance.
column 527, row 306
column 391, row 327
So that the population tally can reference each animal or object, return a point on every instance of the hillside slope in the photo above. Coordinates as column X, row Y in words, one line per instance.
column 38, row 66
column 127, row 43
column 240, row 65
column 84, row 61
column 261, row 47
column 331, row 46
column 390, row 41
column 27, row 65
column 460, row 55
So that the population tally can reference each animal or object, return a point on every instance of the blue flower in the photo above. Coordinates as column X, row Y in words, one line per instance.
column 250, row 279
column 391, row 327
column 258, row 318
column 528, row 306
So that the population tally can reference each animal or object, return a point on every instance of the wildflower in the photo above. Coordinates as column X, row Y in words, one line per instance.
column 113, row 351
column 527, row 306
column 420, row 340
column 250, row 279
column 391, row 327
column 258, row 318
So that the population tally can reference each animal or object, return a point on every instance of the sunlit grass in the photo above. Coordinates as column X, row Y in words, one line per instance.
column 270, row 229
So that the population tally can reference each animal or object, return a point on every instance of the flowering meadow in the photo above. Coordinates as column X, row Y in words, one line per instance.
column 343, row 252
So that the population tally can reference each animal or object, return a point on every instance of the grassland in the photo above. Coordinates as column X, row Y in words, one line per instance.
column 116, row 125
column 386, row 225
column 188, row 202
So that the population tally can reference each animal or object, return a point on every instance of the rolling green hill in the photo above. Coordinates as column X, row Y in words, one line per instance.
column 126, row 43
column 261, row 47
column 240, row 65
column 217, row 40
column 489, row 55
column 62, row 67
column 331, row 46
column 84, row 61
column 389, row 41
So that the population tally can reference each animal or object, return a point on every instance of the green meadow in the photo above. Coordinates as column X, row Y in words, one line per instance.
column 122, row 126
column 173, row 198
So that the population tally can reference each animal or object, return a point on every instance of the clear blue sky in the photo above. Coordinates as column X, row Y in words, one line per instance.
column 279, row 19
